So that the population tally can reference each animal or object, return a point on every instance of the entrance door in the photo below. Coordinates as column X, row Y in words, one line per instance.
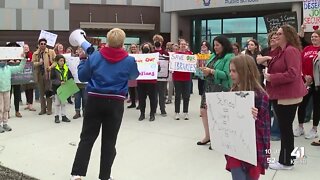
column 241, row 39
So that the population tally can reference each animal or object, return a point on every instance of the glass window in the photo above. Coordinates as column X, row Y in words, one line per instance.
column 263, row 40
column 203, row 27
column 239, row 25
column 214, row 26
column 261, row 25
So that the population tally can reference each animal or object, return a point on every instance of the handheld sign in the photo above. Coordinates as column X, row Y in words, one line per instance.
column 50, row 37
column 311, row 15
column 147, row 65
column 67, row 89
column 7, row 53
column 183, row 62
column 24, row 77
column 231, row 125
column 275, row 21
column 164, row 67
column 73, row 63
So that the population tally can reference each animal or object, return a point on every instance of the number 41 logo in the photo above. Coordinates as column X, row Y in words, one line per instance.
column 298, row 152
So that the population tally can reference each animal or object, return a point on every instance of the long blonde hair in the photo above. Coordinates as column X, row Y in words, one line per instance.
column 248, row 73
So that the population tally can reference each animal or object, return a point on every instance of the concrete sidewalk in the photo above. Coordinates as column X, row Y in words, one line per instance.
column 163, row 149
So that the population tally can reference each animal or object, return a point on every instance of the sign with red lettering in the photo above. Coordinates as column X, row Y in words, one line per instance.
column 311, row 15
column 147, row 65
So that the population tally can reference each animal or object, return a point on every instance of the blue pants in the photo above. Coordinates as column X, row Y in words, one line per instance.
column 240, row 174
column 80, row 96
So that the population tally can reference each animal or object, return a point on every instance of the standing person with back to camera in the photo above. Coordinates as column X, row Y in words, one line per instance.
column 107, row 72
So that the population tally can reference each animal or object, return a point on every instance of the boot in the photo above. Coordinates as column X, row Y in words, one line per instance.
column 142, row 117
column 65, row 119
column 133, row 105
column 77, row 115
column 152, row 117
column 56, row 119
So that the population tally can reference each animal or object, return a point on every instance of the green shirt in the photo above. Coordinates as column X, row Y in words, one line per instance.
column 5, row 75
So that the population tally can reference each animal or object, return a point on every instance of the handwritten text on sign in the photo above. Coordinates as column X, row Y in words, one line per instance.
column 183, row 63
column 311, row 15
column 24, row 77
column 231, row 125
column 147, row 65
column 275, row 21
column 50, row 37
column 73, row 63
column 164, row 67
column 7, row 53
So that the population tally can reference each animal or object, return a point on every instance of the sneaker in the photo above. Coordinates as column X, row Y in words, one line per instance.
column 6, row 127
column 312, row 134
column 75, row 178
column 186, row 116
column 18, row 115
column 65, row 119
column 168, row 102
column 278, row 166
column 275, row 138
column 299, row 131
column 111, row 178
column 56, row 119
column 1, row 129
column 177, row 116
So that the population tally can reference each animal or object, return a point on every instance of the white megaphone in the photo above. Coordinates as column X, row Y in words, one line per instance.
column 78, row 38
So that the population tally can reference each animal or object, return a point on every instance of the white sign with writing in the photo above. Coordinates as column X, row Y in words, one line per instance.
column 231, row 125
column 183, row 62
column 50, row 37
column 10, row 53
column 311, row 15
column 147, row 65
column 164, row 67
column 73, row 63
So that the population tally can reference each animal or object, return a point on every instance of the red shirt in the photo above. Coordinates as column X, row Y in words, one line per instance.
column 182, row 76
column 308, row 54
column 29, row 56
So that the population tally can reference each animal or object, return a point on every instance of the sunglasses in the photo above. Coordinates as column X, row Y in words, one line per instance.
column 43, row 43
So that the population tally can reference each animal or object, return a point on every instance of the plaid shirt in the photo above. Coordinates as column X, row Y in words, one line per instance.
column 262, row 139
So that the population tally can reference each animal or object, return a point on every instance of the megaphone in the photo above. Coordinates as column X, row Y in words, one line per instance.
column 78, row 38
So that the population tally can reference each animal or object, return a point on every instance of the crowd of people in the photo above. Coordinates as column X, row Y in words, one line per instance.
column 270, row 72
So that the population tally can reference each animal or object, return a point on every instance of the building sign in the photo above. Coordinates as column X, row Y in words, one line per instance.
column 311, row 15
column 181, row 5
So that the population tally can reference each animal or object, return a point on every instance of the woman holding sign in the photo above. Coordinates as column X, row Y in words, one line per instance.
column 217, row 77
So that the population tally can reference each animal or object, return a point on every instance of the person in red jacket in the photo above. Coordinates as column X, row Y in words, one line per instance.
column 308, row 55
column 182, row 84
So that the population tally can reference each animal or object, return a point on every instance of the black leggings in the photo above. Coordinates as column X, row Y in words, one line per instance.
column 16, row 90
column 315, row 94
column 285, row 115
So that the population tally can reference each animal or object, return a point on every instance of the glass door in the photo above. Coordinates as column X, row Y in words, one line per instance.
column 241, row 39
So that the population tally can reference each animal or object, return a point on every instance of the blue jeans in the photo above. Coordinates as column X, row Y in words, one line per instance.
column 36, row 94
column 80, row 95
column 275, row 130
column 240, row 174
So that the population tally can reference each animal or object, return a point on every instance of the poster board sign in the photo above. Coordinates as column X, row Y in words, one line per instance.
column 231, row 125
column 73, row 63
column 147, row 65
column 164, row 67
column 67, row 89
column 50, row 37
column 311, row 15
column 183, row 62
column 24, row 77
column 275, row 21
column 7, row 53
column 21, row 43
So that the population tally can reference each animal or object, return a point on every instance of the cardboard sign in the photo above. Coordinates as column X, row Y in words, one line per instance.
column 183, row 63
column 231, row 125
column 73, row 63
column 7, row 53
column 24, row 77
column 147, row 65
column 275, row 21
column 311, row 15
column 67, row 89
column 164, row 67
column 50, row 37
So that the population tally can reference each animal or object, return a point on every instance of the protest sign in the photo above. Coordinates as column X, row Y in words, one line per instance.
column 183, row 63
column 7, row 53
column 311, row 15
column 50, row 37
column 73, row 63
column 147, row 65
column 164, row 67
column 66, row 90
column 231, row 125
column 24, row 77
column 275, row 21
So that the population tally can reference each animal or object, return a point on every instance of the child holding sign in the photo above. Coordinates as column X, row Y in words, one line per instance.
column 5, row 85
column 59, row 75
column 245, row 76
